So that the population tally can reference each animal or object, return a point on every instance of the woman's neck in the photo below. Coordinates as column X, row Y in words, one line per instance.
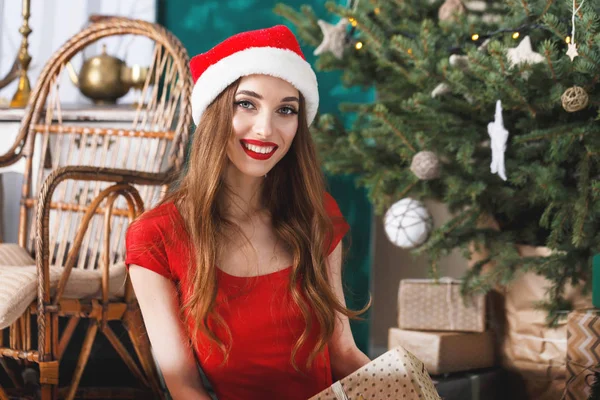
column 243, row 199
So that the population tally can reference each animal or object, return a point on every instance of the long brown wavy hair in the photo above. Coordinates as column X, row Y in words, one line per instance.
column 292, row 193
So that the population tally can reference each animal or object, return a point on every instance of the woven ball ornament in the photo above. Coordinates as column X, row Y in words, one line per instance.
column 408, row 223
column 574, row 99
column 425, row 165
column 450, row 8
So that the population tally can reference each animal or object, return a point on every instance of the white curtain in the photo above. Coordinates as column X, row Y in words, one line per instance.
column 54, row 21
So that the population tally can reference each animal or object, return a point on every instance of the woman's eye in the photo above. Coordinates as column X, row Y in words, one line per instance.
column 244, row 104
column 288, row 111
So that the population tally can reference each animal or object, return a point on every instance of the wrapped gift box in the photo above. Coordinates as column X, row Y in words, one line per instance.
column 445, row 352
column 426, row 304
column 396, row 374
column 489, row 384
column 583, row 352
column 537, row 352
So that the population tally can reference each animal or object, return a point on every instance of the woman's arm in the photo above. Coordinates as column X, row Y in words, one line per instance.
column 157, row 298
column 344, row 355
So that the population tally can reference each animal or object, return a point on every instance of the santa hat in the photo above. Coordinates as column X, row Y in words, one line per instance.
column 272, row 51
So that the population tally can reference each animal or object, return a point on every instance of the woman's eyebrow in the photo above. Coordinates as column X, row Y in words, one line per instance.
column 258, row 96
column 250, row 93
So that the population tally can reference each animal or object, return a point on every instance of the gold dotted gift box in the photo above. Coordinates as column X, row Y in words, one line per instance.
column 429, row 305
column 397, row 374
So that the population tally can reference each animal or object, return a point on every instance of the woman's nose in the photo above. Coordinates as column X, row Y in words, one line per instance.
column 264, row 124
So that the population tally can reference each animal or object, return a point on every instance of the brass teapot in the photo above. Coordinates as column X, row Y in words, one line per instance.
column 105, row 78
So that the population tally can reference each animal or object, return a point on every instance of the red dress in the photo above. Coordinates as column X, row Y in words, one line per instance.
column 264, row 321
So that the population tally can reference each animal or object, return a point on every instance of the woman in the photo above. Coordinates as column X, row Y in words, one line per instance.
column 240, row 266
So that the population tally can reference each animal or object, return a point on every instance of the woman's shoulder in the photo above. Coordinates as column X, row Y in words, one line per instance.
column 160, row 220
column 340, row 226
column 150, row 237
column 163, row 214
column 161, row 211
column 331, row 205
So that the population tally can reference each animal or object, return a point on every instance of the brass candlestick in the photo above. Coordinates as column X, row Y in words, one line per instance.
column 21, row 97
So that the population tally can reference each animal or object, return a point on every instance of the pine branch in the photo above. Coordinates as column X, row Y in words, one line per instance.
column 385, row 118
column 547, row 50
column 526, row 8
column 546, row 8
column 582, row 204
column 570, row 130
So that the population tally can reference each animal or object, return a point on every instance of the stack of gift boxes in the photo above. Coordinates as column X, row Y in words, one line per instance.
column 447, row 332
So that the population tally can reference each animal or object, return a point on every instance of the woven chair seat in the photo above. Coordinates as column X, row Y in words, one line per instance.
column 13, row 254
column 19, row 282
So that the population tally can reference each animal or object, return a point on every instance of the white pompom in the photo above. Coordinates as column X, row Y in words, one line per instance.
column 408, row 223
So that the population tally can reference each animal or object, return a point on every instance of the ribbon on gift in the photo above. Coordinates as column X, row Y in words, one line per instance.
column 449, row 300
column 338, row 391
column 448, row 281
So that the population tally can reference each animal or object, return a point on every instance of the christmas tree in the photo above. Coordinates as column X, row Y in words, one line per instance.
column 488, row 107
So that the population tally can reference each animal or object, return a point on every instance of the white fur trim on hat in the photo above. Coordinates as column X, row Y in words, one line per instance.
column 281, row 63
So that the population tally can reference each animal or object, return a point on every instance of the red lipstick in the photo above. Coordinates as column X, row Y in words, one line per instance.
column 256, row 155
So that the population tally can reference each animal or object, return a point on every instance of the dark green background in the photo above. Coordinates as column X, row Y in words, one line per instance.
column 201, row 24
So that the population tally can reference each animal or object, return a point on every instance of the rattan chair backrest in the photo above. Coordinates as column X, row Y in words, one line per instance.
column 153, row 140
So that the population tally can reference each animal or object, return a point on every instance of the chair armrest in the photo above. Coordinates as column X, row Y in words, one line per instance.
column 15, row 152
column 135, row 206
column 123, row 180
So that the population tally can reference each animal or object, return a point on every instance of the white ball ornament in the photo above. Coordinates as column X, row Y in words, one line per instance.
column 408, row 223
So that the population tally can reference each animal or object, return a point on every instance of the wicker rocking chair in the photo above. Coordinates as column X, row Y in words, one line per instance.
column 82, row 186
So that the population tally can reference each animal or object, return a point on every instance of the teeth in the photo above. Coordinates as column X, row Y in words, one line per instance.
column 258, row 149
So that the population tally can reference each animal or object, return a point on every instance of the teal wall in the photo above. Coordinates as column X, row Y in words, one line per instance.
column 201, row 24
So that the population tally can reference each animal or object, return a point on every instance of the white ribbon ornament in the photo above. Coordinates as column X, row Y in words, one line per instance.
column 499, row 136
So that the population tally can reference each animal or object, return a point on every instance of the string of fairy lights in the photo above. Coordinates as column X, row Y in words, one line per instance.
column 475, row 38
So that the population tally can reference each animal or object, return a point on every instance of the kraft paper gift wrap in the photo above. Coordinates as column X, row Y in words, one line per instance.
column 537, row 352
column 526, row 344
column 396, row 374
column 444, row 352
column 583, row 352
column 429, row 305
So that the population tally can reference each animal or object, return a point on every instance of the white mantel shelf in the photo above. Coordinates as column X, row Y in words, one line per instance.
column 80, row 112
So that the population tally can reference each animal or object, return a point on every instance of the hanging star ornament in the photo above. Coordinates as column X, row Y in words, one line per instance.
column 499, row 136
column 572, row 51
column 334, row 38
column 523, row 54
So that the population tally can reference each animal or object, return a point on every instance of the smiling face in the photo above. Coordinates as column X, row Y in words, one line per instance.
column 265, row 121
